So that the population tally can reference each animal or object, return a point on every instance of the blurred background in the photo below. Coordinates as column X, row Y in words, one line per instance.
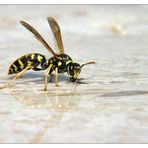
column 110, row 106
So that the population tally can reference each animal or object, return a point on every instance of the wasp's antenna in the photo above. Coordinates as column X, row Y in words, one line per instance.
column 87, row 64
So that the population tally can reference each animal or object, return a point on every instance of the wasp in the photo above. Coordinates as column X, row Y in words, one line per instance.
column 60, row 62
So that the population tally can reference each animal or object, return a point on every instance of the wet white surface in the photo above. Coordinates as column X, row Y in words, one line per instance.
column 111, row 106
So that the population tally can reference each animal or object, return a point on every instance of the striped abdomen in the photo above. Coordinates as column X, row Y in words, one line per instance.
column 28, row 60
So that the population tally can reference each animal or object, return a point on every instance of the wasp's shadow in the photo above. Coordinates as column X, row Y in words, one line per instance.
column 40, row 77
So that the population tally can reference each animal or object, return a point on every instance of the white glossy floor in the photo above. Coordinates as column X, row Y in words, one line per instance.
column 110, row 106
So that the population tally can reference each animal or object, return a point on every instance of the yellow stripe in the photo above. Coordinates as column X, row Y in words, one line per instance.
column 68, row 62
column 59, row 63
column 32, row 56
column 15, row 67
column 40, row 58
column 29, row 64
column 21, row 64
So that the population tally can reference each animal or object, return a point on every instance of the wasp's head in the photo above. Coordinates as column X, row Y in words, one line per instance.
column 74, row 70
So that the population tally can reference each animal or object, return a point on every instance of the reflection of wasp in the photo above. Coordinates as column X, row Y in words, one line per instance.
column 60, row 101
column 59, row 62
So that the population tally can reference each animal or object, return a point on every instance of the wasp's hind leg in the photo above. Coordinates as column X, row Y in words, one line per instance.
column 46, row 76
column 17, row 76
column 20, row 73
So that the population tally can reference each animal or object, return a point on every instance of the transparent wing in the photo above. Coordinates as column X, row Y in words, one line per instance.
column 57, row 33
column 38, row 36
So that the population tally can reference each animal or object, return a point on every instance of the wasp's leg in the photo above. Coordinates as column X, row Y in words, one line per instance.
column 17, row 76
column 20, row 73
column 46, row 76
column 56, row 71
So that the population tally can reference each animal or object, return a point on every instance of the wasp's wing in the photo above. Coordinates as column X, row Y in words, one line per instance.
column 38, row 36
column 57, row 33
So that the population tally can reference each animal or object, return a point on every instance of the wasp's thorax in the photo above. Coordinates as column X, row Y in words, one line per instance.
column 64, row 63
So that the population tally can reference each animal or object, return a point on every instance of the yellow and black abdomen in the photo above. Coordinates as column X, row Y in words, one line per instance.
column 31, row 60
